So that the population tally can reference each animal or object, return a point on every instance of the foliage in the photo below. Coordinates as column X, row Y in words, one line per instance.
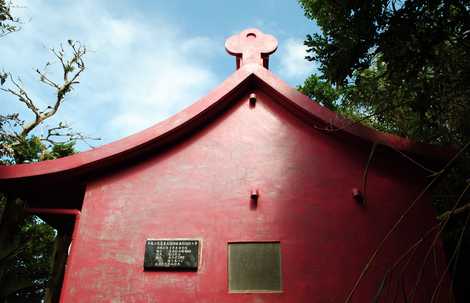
column 25, row 270
column 412, row 56
column 324, row 93
column 401, row 67
column 32, row 149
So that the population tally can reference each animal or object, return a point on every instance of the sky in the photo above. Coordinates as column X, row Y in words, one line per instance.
column 146, row 60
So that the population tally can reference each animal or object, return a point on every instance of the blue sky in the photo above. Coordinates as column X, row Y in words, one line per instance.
column 147, row 59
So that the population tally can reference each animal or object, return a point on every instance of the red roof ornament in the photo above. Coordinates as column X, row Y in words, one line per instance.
column 251, row 46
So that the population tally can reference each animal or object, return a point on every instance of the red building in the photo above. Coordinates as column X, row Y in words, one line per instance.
column 254, row 193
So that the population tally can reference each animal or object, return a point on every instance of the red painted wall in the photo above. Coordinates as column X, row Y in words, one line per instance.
column 200, row 188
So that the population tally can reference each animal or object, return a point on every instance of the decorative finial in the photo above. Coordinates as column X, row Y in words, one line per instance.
column 251, row 46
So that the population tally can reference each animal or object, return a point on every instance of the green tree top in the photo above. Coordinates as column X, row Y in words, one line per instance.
column 412, row 56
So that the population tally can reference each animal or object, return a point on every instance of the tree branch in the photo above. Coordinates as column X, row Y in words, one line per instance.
column 404, row 214
column 72, row 68
column 454, row 212
column 63, row 131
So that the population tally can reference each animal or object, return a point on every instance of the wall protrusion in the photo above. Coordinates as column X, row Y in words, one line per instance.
column 357, row 195
column 254, row 196
column 252, row 99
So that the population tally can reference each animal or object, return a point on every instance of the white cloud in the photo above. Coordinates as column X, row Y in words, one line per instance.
column 139, row 71
column 121, row 32
column 292, row 60
column 151, row 97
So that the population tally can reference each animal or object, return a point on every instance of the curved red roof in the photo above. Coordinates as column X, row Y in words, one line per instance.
column 163, row 131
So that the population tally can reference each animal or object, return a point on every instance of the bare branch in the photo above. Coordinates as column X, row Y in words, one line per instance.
column 63, row 133
column 407, row 254
column 366, row 170
column 436, row 239
column 405, row 213
column 454, row 212
column 60, row 56
column 23, row 97
column 432, row 172
column 72, row 67
column 69, row 67
column 453, row 258
column 44, row 79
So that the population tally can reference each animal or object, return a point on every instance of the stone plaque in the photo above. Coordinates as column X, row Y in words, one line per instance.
column 171, row 255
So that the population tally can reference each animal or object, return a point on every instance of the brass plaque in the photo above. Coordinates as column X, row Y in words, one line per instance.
column 254, row 267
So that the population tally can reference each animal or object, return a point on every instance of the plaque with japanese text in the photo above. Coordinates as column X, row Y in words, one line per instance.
column 171, row 255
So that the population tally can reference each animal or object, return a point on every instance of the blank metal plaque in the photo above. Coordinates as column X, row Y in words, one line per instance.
column 254, row 267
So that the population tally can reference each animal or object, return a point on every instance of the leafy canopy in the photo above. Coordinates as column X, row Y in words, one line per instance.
column 409, row 56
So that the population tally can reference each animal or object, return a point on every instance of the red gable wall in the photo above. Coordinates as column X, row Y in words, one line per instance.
column 200, row 188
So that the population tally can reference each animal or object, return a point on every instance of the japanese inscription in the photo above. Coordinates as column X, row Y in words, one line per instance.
column 172, row 254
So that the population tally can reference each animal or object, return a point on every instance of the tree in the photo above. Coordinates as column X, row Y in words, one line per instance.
column 28, row 244
column 18, row 143
column 398, row 54
column 403, row 67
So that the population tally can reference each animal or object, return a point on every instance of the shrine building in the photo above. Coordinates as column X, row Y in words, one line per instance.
column 254, row 193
